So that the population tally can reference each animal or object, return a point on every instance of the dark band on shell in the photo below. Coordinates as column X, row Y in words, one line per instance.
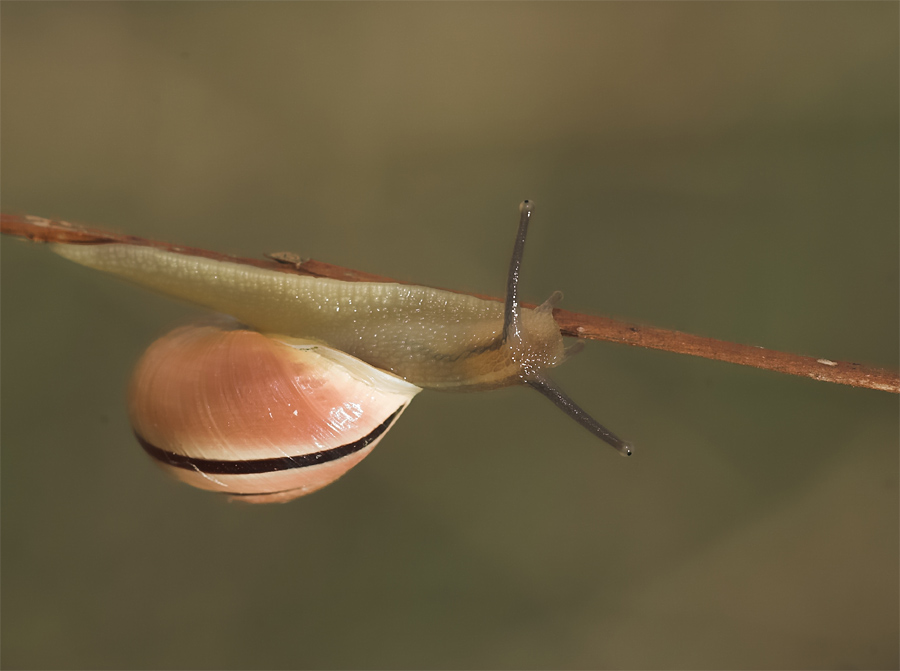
column 246, row 466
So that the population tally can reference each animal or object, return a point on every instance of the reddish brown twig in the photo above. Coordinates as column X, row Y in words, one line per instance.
column 572, row 324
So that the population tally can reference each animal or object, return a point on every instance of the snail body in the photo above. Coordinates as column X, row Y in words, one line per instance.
column 432, row 338
column 312, row 372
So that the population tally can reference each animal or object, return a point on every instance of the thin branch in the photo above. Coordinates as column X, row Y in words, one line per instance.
column 571, row 324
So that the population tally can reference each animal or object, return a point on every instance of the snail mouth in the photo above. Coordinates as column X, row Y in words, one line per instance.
column 271, row 465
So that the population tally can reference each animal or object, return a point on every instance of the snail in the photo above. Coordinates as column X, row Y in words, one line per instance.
column 310, row 373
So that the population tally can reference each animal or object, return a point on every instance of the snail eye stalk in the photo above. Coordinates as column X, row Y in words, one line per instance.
column 511, row 326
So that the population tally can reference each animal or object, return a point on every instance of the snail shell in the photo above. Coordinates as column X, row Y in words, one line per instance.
column 266, row 419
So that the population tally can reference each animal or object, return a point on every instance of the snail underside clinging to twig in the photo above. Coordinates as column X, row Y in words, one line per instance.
column 309, row 373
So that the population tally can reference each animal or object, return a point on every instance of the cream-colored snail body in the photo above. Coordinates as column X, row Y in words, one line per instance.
column 314, row 371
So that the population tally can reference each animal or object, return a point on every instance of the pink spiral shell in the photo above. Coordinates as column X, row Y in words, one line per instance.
column 264, row 419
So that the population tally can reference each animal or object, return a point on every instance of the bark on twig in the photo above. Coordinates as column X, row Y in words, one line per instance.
column 572, row 324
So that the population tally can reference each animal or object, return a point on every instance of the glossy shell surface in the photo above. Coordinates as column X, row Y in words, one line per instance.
column 262, row 418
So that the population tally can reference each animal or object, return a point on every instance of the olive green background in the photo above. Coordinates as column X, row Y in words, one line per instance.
column 727, row 169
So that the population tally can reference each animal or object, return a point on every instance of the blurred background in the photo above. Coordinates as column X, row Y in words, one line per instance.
column 723, row 169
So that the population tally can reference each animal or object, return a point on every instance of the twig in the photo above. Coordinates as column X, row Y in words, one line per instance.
column 571, row 324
